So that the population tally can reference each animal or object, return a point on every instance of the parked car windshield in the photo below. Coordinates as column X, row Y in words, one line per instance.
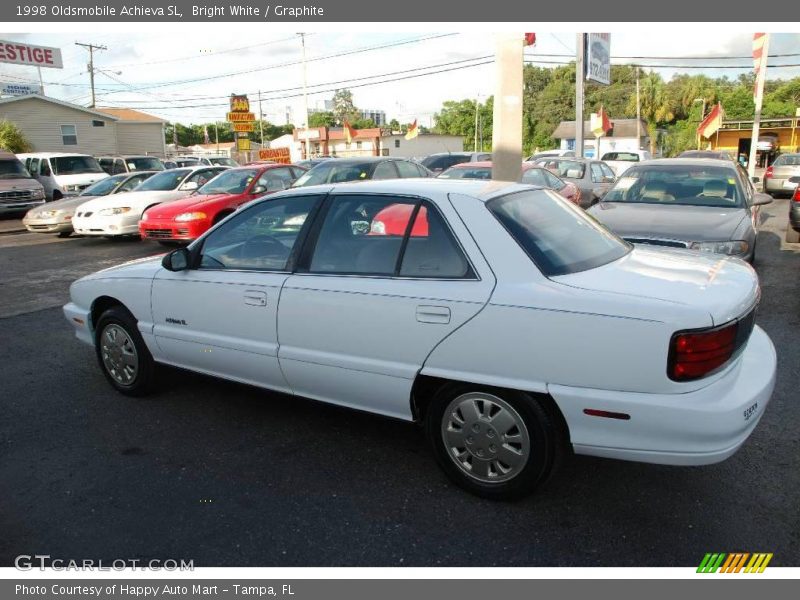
column 144, row 163
column 787, row 160
column 696, row 185
column 229, row 182
column 332, row 171
column 164, row 181
column 558, row 236
column 13, row 169
column 75, row 165
column 104, row 186
column 223, row 160
column 468, row 173
column 705, row 154
column 626, row 156
column 570, row 169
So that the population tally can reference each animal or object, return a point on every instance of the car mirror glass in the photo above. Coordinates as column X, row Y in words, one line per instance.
column 189, row 186
column 177, row 260
column 761, row 199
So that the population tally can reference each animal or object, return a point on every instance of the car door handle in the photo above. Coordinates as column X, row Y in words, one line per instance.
column 255, row 298
column 433, row 314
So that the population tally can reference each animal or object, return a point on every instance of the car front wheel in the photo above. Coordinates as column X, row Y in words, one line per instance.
column 123, row 356
column 498, row 444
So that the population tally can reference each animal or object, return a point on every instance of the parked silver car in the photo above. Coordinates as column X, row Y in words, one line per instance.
column 776, row 177
column 702, row 204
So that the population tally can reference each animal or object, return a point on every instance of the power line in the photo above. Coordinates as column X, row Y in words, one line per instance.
column 91, row 48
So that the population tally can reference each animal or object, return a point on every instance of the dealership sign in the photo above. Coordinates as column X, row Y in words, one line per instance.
column 280, row 155
column 244, row 127
column 598, row 57
column 35, row 56
column 242, row 120
column 19, row 89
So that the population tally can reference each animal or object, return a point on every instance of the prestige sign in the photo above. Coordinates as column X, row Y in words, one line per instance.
column 35, row 56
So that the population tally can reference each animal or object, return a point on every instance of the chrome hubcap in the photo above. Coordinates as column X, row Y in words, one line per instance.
column 485, row 437
column 119, row 354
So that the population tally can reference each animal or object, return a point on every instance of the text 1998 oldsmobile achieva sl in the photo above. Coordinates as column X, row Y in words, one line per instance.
column 510, row 323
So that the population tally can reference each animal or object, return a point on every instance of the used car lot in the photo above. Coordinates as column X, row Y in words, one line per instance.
column 341, row 488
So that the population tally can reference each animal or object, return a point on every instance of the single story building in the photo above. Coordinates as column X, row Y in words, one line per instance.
column 775, row 136
column 226, row 149
column 325, row 141
column 623, row 137
column 52, row 125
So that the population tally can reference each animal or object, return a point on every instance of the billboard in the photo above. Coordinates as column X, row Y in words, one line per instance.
column 35, row 56
column 279, row 155
column 598, row 57
column 19, row 89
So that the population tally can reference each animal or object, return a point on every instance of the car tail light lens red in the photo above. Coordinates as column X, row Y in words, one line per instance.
column 796, row 197
column 695, row 355
column 768, row 172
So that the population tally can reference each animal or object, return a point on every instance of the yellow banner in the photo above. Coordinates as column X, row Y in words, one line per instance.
column 241, row 117
column 244, row 127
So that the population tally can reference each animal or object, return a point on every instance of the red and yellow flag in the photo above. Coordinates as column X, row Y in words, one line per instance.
column 712, row 122
column 349, row 132
column 413, row 131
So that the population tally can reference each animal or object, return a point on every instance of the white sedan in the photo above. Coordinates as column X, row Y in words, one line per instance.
column 511, row 324
column 120, row 215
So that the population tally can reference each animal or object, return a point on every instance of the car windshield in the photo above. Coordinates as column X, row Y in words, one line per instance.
column 13, row 169
column 334, row 172
column 144, row 163
column 75, row 165
column 164, row 181
column 558, row 236
column 705, row 154
column 570, row 169
column 787, row 160
column 104, row 186
column 696, row 185
column 468, row 173
column 229, row 182
column 224, row 161
column 624, row 156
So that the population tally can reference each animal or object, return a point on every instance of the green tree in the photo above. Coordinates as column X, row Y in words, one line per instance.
column 12, row 139
column 343, row 107
column 321, row 119
column 656, row 107
column 394, row 125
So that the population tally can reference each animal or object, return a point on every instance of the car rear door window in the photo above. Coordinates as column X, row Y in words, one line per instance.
column 431, row 249
column 406, row 169
column 385, row 170
column 607, row 171
column 597, row 173
column 535, row 177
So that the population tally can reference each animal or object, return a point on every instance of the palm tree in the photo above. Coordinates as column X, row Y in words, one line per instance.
column 655, row 103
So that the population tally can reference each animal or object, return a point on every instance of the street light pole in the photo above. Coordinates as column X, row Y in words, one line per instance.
column 305, row 92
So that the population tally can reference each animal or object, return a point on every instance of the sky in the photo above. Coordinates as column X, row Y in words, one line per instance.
column 187, row 78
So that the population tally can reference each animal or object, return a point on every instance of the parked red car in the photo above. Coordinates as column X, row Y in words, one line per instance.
column 187, row 219
column 531, row 173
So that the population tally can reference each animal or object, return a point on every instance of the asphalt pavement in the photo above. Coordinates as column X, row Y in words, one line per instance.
column 228, row 475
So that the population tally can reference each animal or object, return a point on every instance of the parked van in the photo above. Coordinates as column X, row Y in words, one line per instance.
column 18, row 190
column 62, row 174
column 114, row 165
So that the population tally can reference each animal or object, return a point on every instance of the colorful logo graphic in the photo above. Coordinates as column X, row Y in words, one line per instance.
column 735, row 562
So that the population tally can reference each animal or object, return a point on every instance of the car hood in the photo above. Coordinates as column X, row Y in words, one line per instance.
column 80, row 178
column 138, row 201
column 141, row 268
column 669, row 221
column 65, row 204
column 184, row 204
column 723, row 287
column 20, row 183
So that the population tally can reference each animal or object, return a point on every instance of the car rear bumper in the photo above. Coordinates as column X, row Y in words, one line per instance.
column 696, row 428
column 778, row 184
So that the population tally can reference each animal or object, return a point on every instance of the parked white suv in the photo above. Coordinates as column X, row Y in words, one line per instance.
column 621, row 161
column 63, row 174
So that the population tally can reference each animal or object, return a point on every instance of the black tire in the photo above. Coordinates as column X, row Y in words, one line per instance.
column 142, row 381
column 547, row 441
column 64, row 234
column 792, row 236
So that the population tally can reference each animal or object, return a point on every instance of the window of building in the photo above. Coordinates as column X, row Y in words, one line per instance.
column 69, row 135
column 98, row 123
column 358, row 145
column 397, row 143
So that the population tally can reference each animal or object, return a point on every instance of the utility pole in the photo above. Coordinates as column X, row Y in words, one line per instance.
column 91, row 48
column 475, row 142
column 305, row 93
column 260, row 119
column 579, row 73
column 638, row 114
column 507, row 109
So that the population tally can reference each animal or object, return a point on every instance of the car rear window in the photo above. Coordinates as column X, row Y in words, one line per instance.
column 558, row 236
column 787, row 160
column 570, row 169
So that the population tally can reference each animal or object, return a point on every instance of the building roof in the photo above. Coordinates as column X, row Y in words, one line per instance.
column 90, row 111
column 128, row 114
column 619, row 128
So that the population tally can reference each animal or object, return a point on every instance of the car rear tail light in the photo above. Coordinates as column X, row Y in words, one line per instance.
column 698, row 353
column 768, row 173
column 796, row 197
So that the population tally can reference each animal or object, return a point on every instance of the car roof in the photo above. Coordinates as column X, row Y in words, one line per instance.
column 481, row 189
column 683, row 162
column 53, row 154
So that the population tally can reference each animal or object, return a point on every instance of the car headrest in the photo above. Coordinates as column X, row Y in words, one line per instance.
column 716, row 187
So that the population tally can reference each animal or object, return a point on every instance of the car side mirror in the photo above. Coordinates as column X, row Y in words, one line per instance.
column 761, row 199
column 259, row 189
column 755, row 179
column 177, row 260
column 189, row 186
column 608, row 179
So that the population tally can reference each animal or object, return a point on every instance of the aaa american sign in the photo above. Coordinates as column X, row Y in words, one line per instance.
column 36, row 56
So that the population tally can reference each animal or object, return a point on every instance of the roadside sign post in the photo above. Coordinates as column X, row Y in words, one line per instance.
column 580, row 49
column 242, row 121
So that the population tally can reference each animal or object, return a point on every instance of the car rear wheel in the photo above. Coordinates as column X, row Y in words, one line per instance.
column 64, row 234
column 123, row 356
column 498, row 444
